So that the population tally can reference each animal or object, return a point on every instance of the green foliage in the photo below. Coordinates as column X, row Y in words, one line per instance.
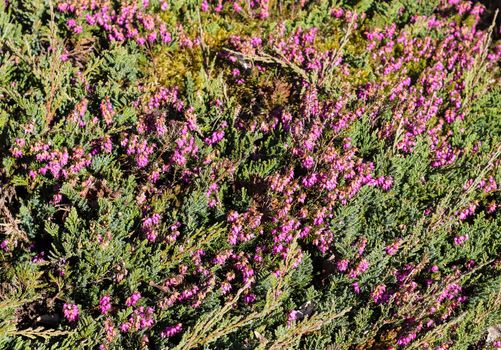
column 74, row 228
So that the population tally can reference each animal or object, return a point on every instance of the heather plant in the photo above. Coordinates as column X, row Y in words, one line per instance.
column 249, row 174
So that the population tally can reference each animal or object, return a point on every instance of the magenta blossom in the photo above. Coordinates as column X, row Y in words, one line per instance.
column 133, row 299
column 70, row 312
column 105, row 304
column 171, row 330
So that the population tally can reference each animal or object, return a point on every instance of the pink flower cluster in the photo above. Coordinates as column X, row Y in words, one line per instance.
column 70, row 312
column 447, row 297
column 392, row 249
column 467, row 212
column 133, row 299
column 421, row 109
column 149, row 226
column 379, row 294
column 140, row 148
column 258, row 8
column 141, row 318
column 185, row 148
column 217, row 135
column 16, row 151
column 58, row 162
column 128, row 22
column 170, row 331
column 458, row 240
column 107, row 111
column 105, row 304
column 244, row 226
column 359, row 269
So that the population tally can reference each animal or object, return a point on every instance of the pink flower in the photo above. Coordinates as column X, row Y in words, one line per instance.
column 225, row 288
column 491, row 207
column 342, row 265
column 104, row 304
column 17, row 153
column 57, row 198
column 70, row 312
column 205, row 6
column 109, row 328
column 356, row 287
column 124, row 327
column 361, row 268
column 379, row 294
column 392, row 248
column 308, row 162
column 4, row 245
column 292, row 317
column 337, row 12
column 249, row 298
column 450, row 292
column 171, row 330
column 458, row 240
column 133, row 299
column 405, row 340
column 141, row 318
